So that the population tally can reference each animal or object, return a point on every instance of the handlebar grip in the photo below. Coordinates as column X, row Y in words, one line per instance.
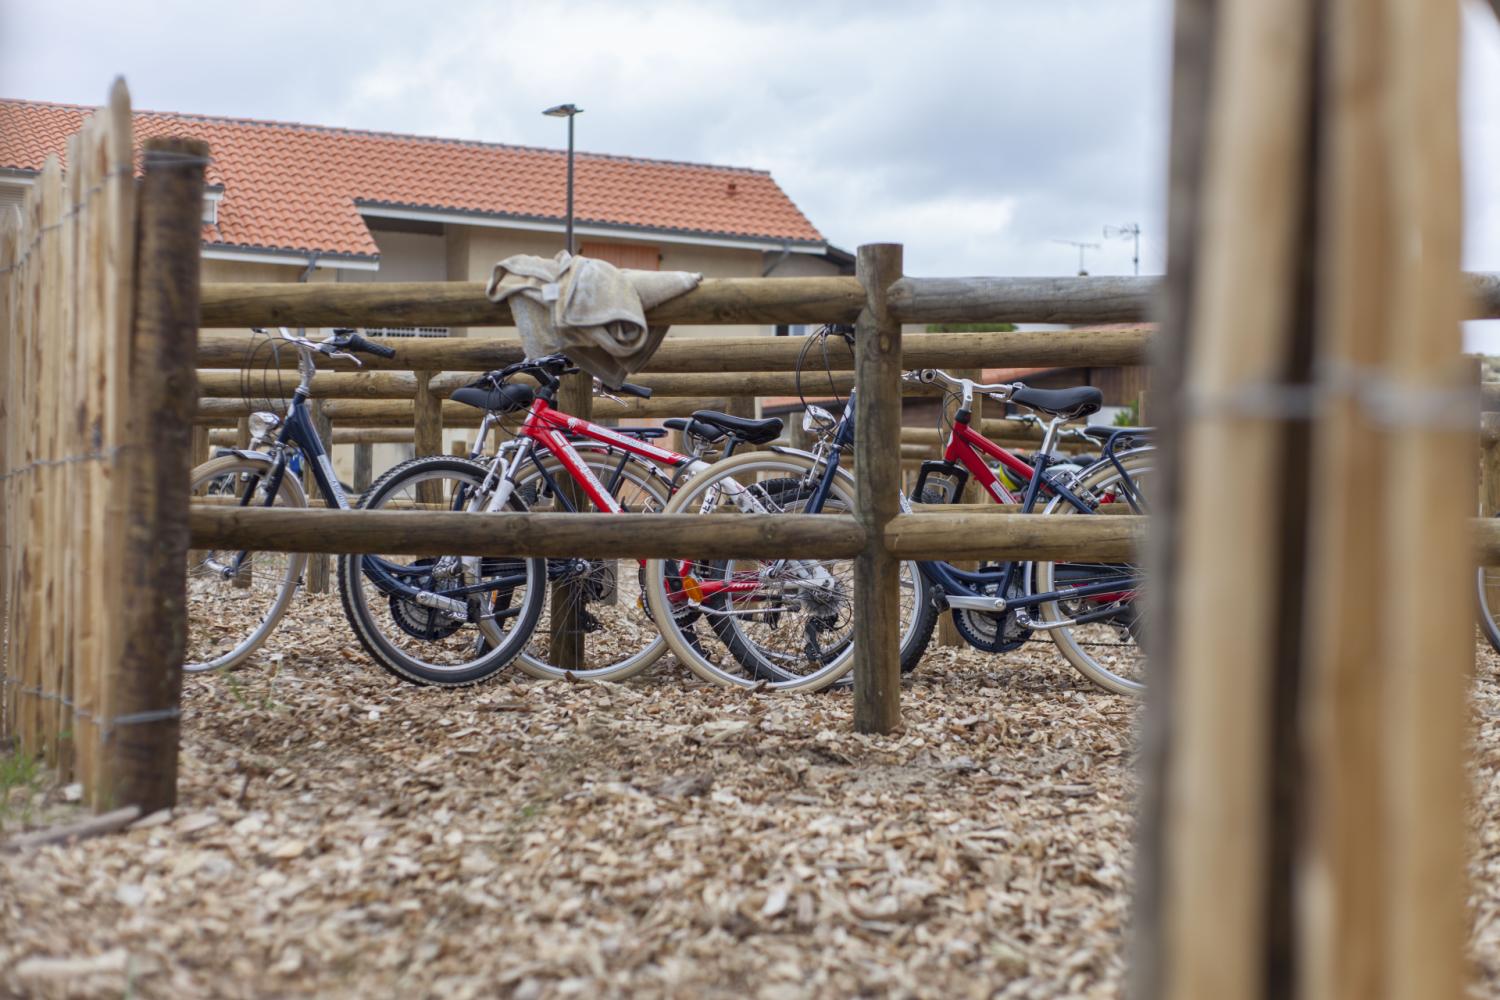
column 358, row 343
column 631, row 389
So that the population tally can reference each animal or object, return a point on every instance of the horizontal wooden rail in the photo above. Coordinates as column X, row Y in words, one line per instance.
column 221, row 384
column 1113, row 509
column 729, row 301
column 463, row 303
column 1013, row 536
column 1030, row 348
column 605, row 536
column 401, row 413
column 341, row 435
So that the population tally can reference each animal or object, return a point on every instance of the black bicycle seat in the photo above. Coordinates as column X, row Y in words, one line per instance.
column 1070, row 403
column 694, row 427
column 744, row 428
column 1106, row 433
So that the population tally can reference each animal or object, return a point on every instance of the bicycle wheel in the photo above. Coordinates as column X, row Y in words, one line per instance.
column 229, row 614
column 473, row 615
column 1106, row 644
column 787, row 623
column 603, row 624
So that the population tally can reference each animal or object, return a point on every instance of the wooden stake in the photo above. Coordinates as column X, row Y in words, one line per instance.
column 877, row 594
column 143, row 696
column 566, row 637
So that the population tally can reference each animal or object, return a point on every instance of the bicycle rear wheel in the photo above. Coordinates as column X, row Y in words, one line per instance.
column 455, row 619
column 1488, row 580
column 230, row 614
column 598, row 604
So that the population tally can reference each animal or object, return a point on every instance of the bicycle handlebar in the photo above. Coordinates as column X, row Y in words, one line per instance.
column 936, row 376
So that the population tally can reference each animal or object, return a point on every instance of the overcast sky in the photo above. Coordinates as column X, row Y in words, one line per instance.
column 976, row 133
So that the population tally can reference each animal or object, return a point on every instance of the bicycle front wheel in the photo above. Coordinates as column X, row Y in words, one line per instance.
column 235, row 599
column 1489, row 603
column 786, row 623
column 1103, row 636
column 449, row 620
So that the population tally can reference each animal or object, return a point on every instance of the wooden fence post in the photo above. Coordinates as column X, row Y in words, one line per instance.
column 364, row 458
column 143, row 691
column 566, row 636
column 877, row 463
column 428, row 419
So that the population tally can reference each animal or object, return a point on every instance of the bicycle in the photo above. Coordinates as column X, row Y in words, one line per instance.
column 602, row 627
column 230, row 592
column 1065, row 600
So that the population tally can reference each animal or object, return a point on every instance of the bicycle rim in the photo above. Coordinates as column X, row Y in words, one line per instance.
column 228, row 618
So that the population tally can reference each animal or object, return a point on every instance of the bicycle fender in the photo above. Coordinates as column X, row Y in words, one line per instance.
column 247, row 453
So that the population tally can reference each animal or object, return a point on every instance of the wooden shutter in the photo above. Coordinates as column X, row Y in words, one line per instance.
column 632, row 255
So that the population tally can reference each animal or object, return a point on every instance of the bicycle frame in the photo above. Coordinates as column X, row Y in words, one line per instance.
column 964, row 447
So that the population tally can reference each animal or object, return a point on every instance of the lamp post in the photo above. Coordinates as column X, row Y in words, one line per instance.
column 567, row 111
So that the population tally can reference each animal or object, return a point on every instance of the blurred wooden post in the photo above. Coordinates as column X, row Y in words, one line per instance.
column 1489, row 496
column 428, row 417
column 317, row 562
column 458, row 449
column 242, row 433
column 363, row 459
column 566, row 636
column 142, row 693
column 200, row 449
column 877, row 463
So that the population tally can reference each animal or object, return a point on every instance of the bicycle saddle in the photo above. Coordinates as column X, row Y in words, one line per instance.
column 1106, row 433
column 752, row 431
column 1070, row 403
column 496, row 399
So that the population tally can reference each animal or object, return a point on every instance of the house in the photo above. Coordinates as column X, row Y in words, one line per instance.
column 293, row 202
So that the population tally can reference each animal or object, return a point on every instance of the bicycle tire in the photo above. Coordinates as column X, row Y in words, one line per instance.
column 1075, row 642
column 289, row 491
column 492, row 657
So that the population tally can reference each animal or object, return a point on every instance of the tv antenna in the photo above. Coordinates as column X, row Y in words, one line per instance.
column 1129, row 232
column 1082, row 271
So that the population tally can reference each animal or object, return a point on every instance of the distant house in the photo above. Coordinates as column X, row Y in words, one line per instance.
column 292, row 202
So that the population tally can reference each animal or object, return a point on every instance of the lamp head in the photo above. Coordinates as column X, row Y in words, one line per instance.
column 562, row 111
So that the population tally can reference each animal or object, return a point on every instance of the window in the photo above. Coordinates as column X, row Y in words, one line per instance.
column 632, row 255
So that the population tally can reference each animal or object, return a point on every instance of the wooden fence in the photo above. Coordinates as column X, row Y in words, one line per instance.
column 98, row 299
column 1303, row 827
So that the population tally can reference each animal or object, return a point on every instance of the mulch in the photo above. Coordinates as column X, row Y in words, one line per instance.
column 342, row 834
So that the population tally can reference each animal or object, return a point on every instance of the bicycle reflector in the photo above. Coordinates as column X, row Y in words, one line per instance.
column 692, row 589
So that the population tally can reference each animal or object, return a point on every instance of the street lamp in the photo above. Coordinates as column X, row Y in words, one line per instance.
column 567, row 111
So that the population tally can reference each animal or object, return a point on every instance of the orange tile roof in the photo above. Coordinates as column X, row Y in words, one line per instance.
column 299, row 187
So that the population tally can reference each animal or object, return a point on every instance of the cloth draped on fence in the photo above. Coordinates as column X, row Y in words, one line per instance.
column 588, row 309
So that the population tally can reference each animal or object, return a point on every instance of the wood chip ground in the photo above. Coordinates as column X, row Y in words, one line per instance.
column 343, row 834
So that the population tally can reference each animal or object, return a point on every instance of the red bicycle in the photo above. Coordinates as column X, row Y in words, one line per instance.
column 472, row 616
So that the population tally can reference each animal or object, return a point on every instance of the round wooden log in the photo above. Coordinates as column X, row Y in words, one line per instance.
column 733, row 301
column 1014, row 536
column 357, row 436
column 402, row 413
column 605, row 536
column 143, row 690
column 463, row 303
column 1031, row 348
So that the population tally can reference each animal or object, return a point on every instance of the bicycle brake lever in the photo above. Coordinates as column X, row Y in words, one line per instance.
column 346, row 354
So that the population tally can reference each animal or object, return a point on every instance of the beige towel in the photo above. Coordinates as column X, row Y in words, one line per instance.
column 588, row 309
